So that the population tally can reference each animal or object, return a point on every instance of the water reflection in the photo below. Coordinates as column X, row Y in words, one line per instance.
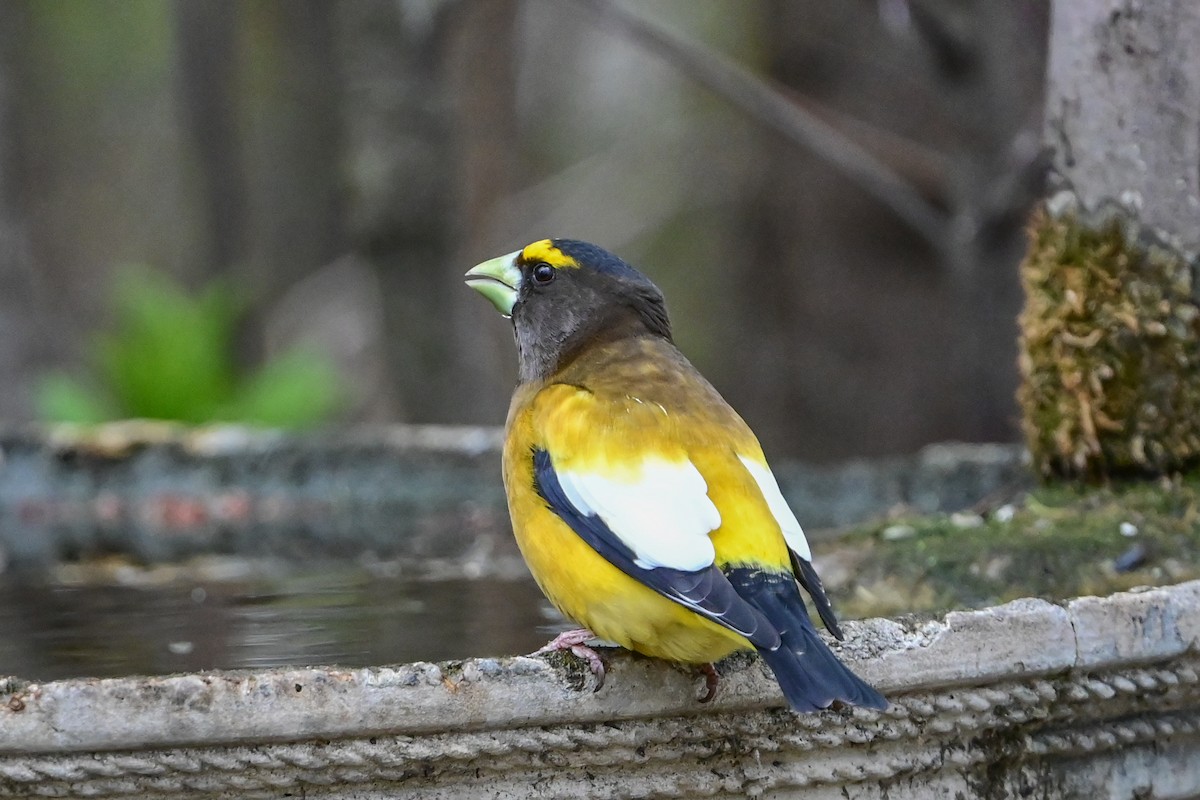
column 344, row 615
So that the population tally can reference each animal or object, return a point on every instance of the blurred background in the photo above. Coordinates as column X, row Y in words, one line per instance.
column 261, row 210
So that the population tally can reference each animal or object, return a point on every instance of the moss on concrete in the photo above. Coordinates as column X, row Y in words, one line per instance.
column 1110, row 351
column 1056, row 542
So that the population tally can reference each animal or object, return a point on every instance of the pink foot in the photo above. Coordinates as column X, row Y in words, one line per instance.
column 574, row 641
column 711, row 679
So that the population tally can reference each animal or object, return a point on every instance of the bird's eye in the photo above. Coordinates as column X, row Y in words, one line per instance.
column 543, row 273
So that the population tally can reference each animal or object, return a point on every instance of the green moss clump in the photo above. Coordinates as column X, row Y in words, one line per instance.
column 1110, row 353
column 1057, row 542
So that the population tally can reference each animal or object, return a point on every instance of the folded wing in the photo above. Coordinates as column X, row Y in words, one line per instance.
column 653, row 524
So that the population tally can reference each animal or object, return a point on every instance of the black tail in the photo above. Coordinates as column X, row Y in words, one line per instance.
column 810, row 675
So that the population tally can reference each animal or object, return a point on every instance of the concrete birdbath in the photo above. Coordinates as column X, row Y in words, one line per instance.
column 1032, row 697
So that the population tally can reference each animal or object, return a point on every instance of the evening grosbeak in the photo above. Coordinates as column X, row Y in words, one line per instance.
column 641, row 501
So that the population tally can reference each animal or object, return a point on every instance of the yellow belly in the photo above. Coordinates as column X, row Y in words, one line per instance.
column 588, row 589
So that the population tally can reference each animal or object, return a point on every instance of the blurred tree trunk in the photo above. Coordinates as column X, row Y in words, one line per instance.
column 1123, row 108
column 259, row 90
column 869, row 341
column 297, row 204
column 21, row 348
column 205, row 31
column 415, row 214
column 482, row 74
column 396, row 161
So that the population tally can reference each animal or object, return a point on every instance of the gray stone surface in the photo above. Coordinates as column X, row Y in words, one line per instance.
column 973, row 646
column 1025, row 699
column 1140, row 627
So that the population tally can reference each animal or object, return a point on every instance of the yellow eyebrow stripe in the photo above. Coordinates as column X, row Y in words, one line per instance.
column 545, row 250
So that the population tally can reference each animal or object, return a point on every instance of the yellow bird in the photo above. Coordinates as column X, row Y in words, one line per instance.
column 640, row 500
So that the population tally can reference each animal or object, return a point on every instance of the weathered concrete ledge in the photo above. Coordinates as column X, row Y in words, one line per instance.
column 1096, row 697
column 157, row 492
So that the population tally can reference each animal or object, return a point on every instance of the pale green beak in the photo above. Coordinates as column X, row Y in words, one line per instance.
column 499, row 280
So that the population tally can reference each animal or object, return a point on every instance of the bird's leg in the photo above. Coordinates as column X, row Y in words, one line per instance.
column 566, row 640
column 711, row 679
column 574, row 641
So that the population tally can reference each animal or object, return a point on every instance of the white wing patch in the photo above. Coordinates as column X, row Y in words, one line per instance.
column 663, row 513
column 793, row 534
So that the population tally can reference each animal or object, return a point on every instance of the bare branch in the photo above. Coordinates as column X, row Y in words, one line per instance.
column 767, row 104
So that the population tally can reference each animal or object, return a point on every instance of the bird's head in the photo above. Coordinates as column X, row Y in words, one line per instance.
column 563, row 295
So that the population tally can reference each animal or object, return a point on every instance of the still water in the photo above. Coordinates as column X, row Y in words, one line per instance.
column 128, row 621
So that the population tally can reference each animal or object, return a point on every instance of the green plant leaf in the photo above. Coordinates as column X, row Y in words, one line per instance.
column 298, row 389
column 172, row 356
column 61, row 398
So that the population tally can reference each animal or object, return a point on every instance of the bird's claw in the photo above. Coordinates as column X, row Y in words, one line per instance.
column 711, row 679
column 565, row 641
column 594, row 662
column 574, row 642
